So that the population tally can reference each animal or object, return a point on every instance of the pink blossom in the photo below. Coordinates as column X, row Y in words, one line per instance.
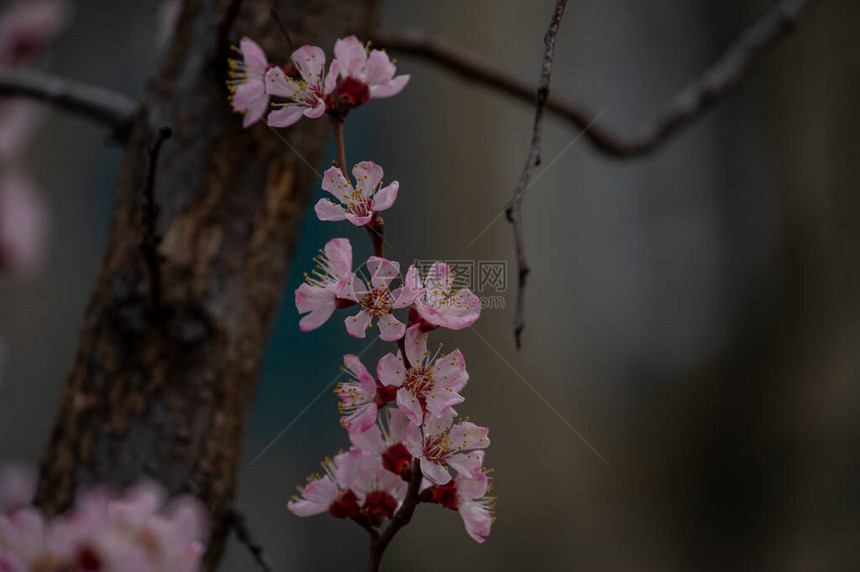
column 307, row 95
column 246, row 82
column 17, row 487
column 24, row 536
column 376, row 300
column 137, row 532
column 430, row 383
column 11, row 563
column 439, row 445
column 476, row 509
column 389, row 430
column 468, row 497
column 442, row 303
column 382, row 490
column 360, row 397
column 27, row 28
column 385, row 440
column 23, row 225
column 354, row 485
column 19, row 119
column 357, row 205
column 317, row 297
column 365, row 70
column 330, row 491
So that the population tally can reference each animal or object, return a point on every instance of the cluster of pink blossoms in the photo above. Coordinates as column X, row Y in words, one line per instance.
column 26, row 31
column 407, row 446
column 402, row 419
column 305, row 87
column 102, row 533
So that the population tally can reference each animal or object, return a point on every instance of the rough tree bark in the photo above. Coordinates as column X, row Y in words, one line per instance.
column 162, row 381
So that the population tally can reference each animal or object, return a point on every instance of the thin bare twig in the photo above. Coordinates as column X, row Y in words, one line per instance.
column 149, row 239
column 376, row 232
column 340, row 147
column 683, row 109
column 243, row 535
column 109, row 108
column 514, row 211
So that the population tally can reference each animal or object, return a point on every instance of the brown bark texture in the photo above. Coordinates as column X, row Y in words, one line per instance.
column 163, row 380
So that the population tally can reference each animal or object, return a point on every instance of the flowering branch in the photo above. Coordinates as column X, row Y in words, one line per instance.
column 406, row 446
column 515, row 207
column 686, row 107
column 109, row 108
column 243, row 535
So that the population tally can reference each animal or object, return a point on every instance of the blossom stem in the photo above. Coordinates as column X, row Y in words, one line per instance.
column 401, row 343
column 376, row 232
column 341, row 149
column 379, row 541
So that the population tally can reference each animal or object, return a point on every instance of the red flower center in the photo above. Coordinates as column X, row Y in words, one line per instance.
column 378, row 302
column 398, row 460
column 345, row 505
column 446, row 495
column 419, row 380
column 380, row 504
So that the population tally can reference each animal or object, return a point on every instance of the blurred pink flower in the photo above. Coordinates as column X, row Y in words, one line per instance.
column 26, row 29
column 17, row 486
column 19, row 119
column 138, row 531
column 24, row 223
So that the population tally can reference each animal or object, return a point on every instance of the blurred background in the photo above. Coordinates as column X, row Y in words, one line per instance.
column 694, row 314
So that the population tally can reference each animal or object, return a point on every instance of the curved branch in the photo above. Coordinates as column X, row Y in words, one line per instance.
column 686, row 107
column 109, row 108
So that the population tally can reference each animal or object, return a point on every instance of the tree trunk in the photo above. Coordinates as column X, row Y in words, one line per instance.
column 162, row 381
